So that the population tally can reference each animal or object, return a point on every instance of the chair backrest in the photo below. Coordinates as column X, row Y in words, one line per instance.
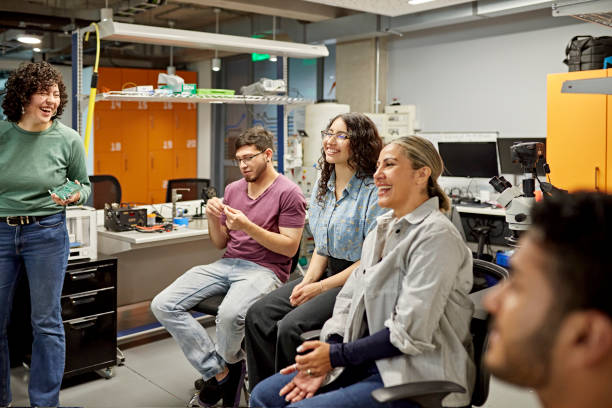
column 486, row 275
column 104, row 189
column 196, row 186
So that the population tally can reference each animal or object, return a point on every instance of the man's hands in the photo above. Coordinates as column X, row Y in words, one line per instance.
column 214, row 208
column 303, row 292
column 236, row 220
column 312, row 369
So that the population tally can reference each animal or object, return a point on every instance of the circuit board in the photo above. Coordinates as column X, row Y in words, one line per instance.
column 66, row 190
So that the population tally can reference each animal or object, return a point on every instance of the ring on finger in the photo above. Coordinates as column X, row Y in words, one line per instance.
column 309, row 372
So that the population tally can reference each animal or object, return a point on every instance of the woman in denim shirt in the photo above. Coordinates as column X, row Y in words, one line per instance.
column 342, row 210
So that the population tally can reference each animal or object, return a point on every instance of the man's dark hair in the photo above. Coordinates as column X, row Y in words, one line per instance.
column 257, row 136
column 26, row 81
column 574, row 230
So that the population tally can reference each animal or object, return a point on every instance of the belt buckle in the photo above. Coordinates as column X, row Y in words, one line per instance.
column 8, row 221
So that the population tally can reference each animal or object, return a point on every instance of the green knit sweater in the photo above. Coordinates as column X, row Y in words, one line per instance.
column 31, row 163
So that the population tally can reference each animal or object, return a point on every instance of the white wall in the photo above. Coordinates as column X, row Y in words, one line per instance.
column 488, row 76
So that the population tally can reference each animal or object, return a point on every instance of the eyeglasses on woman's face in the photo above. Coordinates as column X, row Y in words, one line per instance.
column 239, row 160
column 328, row 135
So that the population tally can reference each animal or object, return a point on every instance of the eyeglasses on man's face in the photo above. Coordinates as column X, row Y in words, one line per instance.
column 327, row 135
column 239, row 160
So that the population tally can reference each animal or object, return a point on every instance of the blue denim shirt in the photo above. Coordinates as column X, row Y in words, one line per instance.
column 339, row 227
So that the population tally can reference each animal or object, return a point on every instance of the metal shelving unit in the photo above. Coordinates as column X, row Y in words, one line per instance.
column 231, row 99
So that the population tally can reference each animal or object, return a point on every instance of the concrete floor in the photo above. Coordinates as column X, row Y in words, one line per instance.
column 157, row 374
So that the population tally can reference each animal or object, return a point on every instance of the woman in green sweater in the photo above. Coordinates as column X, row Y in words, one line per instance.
column 37, row 154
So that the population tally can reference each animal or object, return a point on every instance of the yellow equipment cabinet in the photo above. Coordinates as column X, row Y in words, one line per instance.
column 579, row 131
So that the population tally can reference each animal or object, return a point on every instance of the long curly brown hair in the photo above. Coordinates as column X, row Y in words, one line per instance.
column 365, row 144
column 26, row 81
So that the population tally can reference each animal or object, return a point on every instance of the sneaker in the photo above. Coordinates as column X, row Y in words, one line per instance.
column 232, row 388
column 210, row 393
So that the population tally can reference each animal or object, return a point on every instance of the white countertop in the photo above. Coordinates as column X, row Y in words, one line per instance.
column 110, row 242
column 501, row 212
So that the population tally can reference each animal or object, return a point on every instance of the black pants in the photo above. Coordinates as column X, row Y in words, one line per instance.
column 273, row 326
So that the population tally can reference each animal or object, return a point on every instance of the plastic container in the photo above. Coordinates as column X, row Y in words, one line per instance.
column 180, row 221
column 150, row 220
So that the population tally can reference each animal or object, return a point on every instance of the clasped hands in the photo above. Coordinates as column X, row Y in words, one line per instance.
column 234, row 219
column 311, row 371
column 303, row 292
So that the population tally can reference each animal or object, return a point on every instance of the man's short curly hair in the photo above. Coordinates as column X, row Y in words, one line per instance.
column 25, row 81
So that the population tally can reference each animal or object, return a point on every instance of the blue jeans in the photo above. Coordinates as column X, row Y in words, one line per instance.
column 41, row 248
column 351, row 389
column 242, row 282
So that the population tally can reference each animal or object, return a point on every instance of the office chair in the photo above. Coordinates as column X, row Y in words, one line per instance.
column 196, row 186
column 429, row 394
column 104, row 189
column 210, row 306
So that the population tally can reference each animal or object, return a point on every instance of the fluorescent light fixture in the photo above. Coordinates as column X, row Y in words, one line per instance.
column 273, row 58
column 111, row 30
column 415, row 2
column 216, row 64
column 29, row 39
column 36, row 49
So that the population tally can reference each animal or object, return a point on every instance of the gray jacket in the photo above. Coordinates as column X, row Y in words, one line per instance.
column 414, row 278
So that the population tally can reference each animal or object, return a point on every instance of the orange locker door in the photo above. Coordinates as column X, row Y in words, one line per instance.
column 185, row 132
column 576, row 138
column 106, row 134
column 157, row 196
column 135, row 148
column 185, row 163
column 109, row 163
column 160, row 168
column 161, row 124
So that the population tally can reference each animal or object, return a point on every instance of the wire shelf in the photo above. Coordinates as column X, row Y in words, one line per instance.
column 235, row 99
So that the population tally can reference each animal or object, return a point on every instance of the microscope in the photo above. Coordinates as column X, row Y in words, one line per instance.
column 518, row 202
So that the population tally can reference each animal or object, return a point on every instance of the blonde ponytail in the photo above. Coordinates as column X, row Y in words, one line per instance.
column 422, row 153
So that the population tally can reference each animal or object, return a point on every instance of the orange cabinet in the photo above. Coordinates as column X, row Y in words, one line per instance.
column 144, row 144
column 160, row 168
column 578, row 134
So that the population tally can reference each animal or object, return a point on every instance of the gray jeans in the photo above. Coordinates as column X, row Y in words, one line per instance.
column 242, row 282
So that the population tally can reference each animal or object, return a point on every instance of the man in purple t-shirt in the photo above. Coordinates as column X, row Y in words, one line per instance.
column 259, row 222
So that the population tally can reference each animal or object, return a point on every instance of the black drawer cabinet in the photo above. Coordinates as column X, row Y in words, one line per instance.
column 89, row 314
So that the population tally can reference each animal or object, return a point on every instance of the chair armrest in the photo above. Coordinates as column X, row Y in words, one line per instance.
column 428, row 394
column 310, row 335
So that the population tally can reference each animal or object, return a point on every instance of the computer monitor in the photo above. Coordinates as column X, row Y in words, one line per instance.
column 469, row 159
column 505, row 160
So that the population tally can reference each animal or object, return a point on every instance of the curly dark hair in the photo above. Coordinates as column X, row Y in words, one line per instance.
column 25, row 81
column 365, row 144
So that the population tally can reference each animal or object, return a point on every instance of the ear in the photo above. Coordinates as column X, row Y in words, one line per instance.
column 269, row 154
column 587, row 335
column 423, row 174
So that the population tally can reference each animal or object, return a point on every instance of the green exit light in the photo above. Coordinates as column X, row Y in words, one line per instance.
column 259, row 57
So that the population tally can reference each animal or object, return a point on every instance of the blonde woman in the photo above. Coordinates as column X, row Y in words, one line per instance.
column 403, row 315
